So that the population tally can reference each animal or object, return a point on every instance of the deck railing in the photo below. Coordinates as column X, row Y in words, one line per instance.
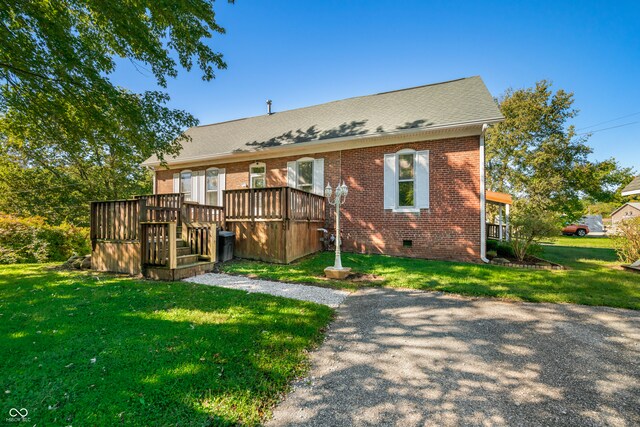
column 154, row 222
column 203, row 213
column 305, row 206
column 202, row 239
column 170, row 200
column 273, row 204
column 493, row 231
column 115, row 220
column 158, row 244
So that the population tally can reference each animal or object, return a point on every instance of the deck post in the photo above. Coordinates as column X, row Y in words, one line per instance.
column 500, row 223
column 142, row 238
column 173, row 255
column 506, row 228
column 213, row 242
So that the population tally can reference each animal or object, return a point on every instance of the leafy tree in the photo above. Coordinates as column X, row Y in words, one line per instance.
column 536, row 154
column 65, row 127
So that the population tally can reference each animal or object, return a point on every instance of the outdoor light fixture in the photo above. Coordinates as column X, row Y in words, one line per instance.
column 337, row 271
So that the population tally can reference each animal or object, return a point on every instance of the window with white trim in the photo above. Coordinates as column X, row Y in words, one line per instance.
column 212, row 186
column 406, row 180
column 258, row 175
column 305, row 175
column 185, row 184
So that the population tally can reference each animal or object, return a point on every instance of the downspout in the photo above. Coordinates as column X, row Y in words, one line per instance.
column 483, row 200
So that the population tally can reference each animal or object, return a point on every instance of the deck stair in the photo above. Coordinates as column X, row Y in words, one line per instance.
column 189, row 264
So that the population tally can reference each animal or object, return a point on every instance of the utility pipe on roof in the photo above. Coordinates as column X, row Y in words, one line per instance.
column 483, row 200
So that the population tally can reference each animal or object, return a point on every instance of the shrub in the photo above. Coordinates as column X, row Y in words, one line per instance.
column 492, row 245
column 627, row 242
column 504, row 249
column 33, row 240
column 529, row 225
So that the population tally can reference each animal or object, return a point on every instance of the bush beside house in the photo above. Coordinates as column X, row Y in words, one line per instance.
column 33, row 240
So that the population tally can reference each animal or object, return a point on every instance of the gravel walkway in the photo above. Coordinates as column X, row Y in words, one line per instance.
column 331, row 297
column 411, row 358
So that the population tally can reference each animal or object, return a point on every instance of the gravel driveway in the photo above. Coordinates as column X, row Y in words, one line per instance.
column 331, row 297
column 408, row 358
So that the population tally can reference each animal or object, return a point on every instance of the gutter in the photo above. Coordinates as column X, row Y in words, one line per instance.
column 483, row 200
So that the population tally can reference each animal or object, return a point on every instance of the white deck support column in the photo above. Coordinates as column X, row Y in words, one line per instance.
column 508, row 232
column 500, row 236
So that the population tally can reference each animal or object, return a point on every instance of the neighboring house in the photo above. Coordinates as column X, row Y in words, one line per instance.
column 412, row 159
column 624, row 212
column 632, row 188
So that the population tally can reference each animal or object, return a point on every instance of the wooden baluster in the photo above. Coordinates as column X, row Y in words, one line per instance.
column 173, row 255
column 213, row 243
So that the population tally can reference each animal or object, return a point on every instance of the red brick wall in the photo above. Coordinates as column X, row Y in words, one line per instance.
column 449, row 229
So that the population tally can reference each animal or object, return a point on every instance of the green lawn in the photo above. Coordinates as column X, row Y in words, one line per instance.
column 88, row 349
column 583, row 242
column 595, row 277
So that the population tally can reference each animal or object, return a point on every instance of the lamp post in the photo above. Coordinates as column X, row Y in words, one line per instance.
column 337, row 271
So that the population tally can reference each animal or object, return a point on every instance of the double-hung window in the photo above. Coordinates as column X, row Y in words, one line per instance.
column 185, row 184
column 212, row 186
column 406, row 180
column 305, row 175
column 257, row 175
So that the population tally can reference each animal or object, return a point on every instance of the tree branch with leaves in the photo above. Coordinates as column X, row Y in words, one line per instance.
column 61, row 115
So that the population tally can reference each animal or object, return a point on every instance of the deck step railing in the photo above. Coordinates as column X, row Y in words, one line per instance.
column 194, row 212
column 158, row 244
column 202, row 239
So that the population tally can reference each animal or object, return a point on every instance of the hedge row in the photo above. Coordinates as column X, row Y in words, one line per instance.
column 33, row 240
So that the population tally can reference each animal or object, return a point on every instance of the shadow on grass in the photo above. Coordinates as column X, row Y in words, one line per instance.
column 165, row 353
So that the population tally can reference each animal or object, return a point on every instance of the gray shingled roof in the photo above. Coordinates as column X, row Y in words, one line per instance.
column 449, row 103
column 632, row 186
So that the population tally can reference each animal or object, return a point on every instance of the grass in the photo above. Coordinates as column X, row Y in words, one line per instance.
column 88, row 349
column 582, row 242
column 595, row 277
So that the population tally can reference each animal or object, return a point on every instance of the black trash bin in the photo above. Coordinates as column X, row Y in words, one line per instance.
column 226, row 241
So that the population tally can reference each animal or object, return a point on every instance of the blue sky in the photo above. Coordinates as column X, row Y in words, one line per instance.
column 301, row 53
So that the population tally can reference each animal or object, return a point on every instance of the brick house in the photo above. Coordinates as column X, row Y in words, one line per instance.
column 413, row 160
column 625, row 212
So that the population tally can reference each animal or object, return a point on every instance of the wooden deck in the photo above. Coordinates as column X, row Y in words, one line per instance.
column 163, row 236
column 276, row 225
